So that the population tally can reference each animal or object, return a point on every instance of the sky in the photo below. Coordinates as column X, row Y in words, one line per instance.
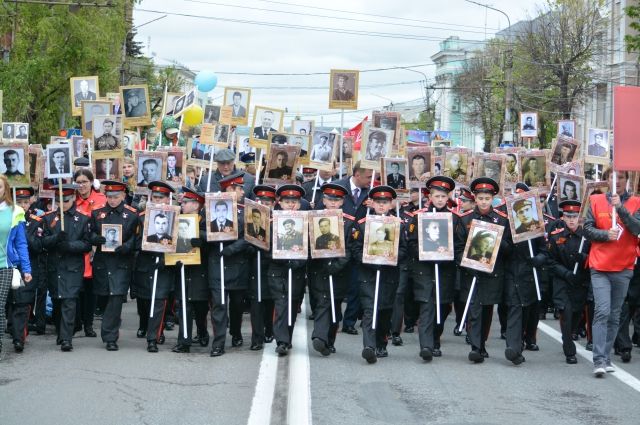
column 398, row 33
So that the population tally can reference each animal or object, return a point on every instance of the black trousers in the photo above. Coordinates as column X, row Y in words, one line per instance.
column 514, row 327
column 143, row 307
column 569, row 319
column 354, row 309
column 111, row 318
column 19, row 316
column 197, row 310
column 503, row 311
column 323, row 326
column 64, row 316
column 228, row 314
column 155, row 326
column 628, row 315
column 445, row 309
column 376, row 337
column 282, row 332
column 426, row 324
column 261, row 320
column 479, row 323
column 86, row 304
column 530, row 323
column 39, row 310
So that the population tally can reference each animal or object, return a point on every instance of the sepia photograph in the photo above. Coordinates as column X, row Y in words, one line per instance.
column 565, row 149
column 151, row 166
column 282, row 164
column 534, row 169
column 389, row 121
column 107, row 135
column 136, row 105
column 59, row 160
column 592, row 188
column 598, row 144
column 188, row 228
column 435, row 236
column 257, row 224
column 222, row 216
column 160, row 228
column 525, row 216
column 170, row 102
column 381, row 240
column 528, row 124
column 482, row 246
column 419, row 158
column 323, row 150
column 343, row 86
column 15, row 163
column 83, row 89
column 92, row 109
column 107, row 167
column 238, row 100
column 290, row 231
column 394, row 173
column 113, row 234
column 326, row 234
column 457, row 165
column 566, row 128
column 376, row 143
column 569, row 187
column 36, row 164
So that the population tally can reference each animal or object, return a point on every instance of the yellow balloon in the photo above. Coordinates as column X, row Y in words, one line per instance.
column 193, row 115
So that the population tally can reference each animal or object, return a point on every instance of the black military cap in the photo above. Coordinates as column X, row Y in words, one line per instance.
column 484, row 185
column 113, row 187
column 24, row 192
column 290, row 191
column 466, row 195
column 521, row 204
column 570, row 208
column 68, row 191
column 159, row 188
column 382, row 192
column 443, row 183
column 191, row 195
column 264, row 191
column 521, row 187
column 333, row 191
column 81, row 162
column 248, row 158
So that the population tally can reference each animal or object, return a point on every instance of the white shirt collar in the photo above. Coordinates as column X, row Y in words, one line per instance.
column 353, row 186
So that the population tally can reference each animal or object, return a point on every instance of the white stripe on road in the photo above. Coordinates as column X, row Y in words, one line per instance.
column 620, row 374
column 265, row 387
column 299, row 404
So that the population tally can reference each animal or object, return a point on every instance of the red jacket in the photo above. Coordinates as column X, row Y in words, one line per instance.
column 612, row 256
column 95, row 201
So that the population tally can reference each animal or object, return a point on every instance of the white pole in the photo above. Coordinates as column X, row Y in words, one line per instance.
column 259, row 277
column 333, row 304
column 535, row 272
column 184, row 303
column 89, row 150
column 575, row 268
column 258, row 165
column 153, row 290
column 210, row 172
column 222, row 273
column 315, row 185
column 466, row 306
column 341, row 141
column 437, row 294
column 613, row 191
column 553, row 183
column 375, row 300
column 289, row 297
column 373, row 178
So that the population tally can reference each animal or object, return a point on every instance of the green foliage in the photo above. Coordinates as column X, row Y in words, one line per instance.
column 633, row 41
column 424, row 122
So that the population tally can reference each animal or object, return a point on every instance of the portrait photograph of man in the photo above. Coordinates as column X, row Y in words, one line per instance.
column 59, row 161
column 282, row 161
column 434, row 236
column 323, row 147
column 329, row 237
column 105, row 134
column 290, row 235
column 563, row 151
column 265, row 121
column 381, row 240
column 566, row 128
column 113, row 234
column 83, row 89
column 378, row 143
column 160, row 228
column 528, row 124
column 186, row 231
column 136, row 107
column 174, row 166
column 303, row 127
column 222, row 216
column 211, row 114
column 107, row 168
column 525, row 213
column 344, row 89
column 598, row 143
column 456, row 165
column 8, row 131
column 238, row 99
column 22, row 130
column 221, row 213
column 90, row 110
column 222, row 133
column 256, row 224
column 394, row 173
column 419, row 166
column 483, row 243
column 12, row 162
column 150, row 167
column 302, row 141
column 534, row 170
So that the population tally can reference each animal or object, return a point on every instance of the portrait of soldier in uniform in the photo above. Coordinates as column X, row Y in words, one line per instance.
column 327, row 239
column 290, row 235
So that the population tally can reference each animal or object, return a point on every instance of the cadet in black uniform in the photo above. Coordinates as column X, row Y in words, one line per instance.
column 289, row 199
column 112, row 271
column 324, row 330
column 569, row 290
column 195, row 276
column 375, row 340
column 146, row 264
column 236, row 278
column 489, row 287
column 65, row 263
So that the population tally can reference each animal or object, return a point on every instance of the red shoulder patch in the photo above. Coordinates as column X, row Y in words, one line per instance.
column 500, row 213
column 130, row 208
column 348, row 217
column 462, row 214
column 559, row 230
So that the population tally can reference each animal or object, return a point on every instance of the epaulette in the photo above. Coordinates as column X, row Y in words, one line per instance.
column 410, row 213
column 142, row 213
column 558, row 230
column 348, row 217
column 462, row 214
column 130, row 208
column 34, row 217
column 362, row 220
column 500, row 213
column 549, row 216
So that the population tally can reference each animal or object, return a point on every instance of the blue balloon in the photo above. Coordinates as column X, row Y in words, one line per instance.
column 206, row 81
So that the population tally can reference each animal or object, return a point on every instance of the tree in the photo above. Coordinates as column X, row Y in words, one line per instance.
column 633, row 40
column 423, row 122
column 53, row 44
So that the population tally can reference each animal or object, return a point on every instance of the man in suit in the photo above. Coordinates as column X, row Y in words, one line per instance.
column 184, row 240
column 255, row 229
column 597, row 148
column 221, row 223
column 7, row 131
column 59, row 163
column 238, row 110
column 161, row 224
column 149, row 172
column 395, row 179
column 22, row 132
column 262, row 132
column 84, row 94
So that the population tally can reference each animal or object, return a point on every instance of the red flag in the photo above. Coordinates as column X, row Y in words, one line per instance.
column 357, row 133
column 626, row 131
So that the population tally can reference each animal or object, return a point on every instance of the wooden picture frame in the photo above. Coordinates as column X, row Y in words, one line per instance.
column 199, row 154
column 389, row 120
column 591, row 188
column 142, row 158
column 53, row 161
column 394, row 173
column 188, row 228
column 564, row 150
column 432, row 244
column 482, row 246
column 343, row 89
column 282, row 164
column 290, row 235
column 261, row 116
column 135, row 114
column 260, row 237
column 107, row 162
column 525, row 130
column 91, row 108
column 100, row 142
column 540, row 177
column 113, row 234
column 457, row 165
column 221, row 207
column 376, row 143
column 570, row 187
column 160, row 228
column 326, row 234
column 36, row 164
column 93, row 92
column 381, row 240
column 419, row 160
column 230, row 95
column 176, row 167
column 15, row 163
column 526, row 220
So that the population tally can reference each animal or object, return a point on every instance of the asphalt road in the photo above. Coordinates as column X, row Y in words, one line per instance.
column 93, row 386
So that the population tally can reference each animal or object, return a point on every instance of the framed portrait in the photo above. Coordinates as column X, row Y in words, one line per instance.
column 222, row 216
column 160, row 228
column 419, row 159
column 59, row 159
column 528, row 124
column 257, row 224
column 178, row 106
column 140, row 197
column 389, row 121
column 482, row 246
column 282, row 164
column 36, row 164
column 326, row 233
column 492, row 166
column 512, row 165
column 534, row 170
column 176, row 165
column 303, row 127
column 188, row 228
column 113, row 234
column 566, row 128
column 136, row 111
column 347, row 147
column 343, row 88
column 634, row 182
column 107, row 133
column 394, row 173
column 199, row 154
column 323, row 150
column 439, row 146
column 21, row 131
column 525, row 216
column 211, row 114
column 8, row 131
column 80, row 146
column 265, row 120
column 15, row 162
column 290, row 241
column 90, row 109
column 376, row 143
column 170, row 101
column 565, row 149
column 435, row 236
column 437, row 164
column 304, row 142
column 592, row 188
column 114, row 97
column 238, row 100
column 107, row 165
column 457, row 165
column 129, row 142
column 150, row 166
column 570, row 187
column 593, row 171
column 222, row 135
column 598, row 145
column 381, row 240
column 83, row 89
column 573, row 168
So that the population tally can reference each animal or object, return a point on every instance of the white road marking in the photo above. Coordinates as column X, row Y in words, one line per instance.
column 619, row 374
column 299, row 403
column 265, row 388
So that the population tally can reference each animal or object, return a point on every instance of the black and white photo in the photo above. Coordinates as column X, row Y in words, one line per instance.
column 59, row 158
column 83, row 89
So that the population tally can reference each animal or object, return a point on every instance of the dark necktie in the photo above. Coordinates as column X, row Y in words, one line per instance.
column 356, row 195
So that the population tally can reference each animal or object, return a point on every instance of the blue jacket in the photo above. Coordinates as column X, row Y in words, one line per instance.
column 17, row 247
